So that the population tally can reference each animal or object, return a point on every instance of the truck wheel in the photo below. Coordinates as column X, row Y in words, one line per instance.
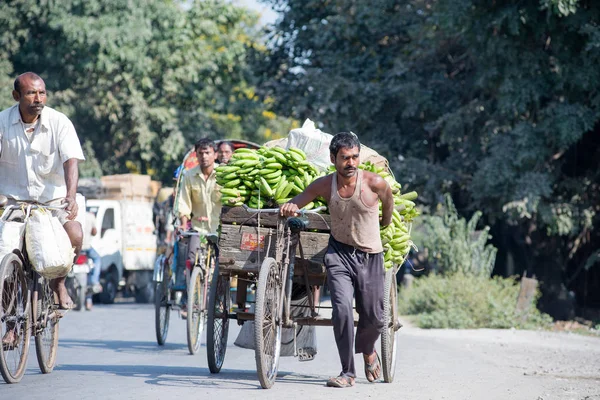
column 144, row 294
column 109, row 289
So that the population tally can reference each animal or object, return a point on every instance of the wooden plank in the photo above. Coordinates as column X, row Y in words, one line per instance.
column 239, row 216
column 234, row 257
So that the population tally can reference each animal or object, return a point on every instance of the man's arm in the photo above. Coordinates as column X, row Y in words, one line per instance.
column 315, row 189
column 71, row 168
column 383, row 190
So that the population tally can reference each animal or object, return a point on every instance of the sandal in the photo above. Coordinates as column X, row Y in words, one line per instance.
column 373, row 371
column 340, row 382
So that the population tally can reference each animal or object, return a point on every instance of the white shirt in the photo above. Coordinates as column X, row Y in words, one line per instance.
column 33, row 169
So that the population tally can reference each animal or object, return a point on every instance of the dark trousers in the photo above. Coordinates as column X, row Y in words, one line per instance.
column 350, row 273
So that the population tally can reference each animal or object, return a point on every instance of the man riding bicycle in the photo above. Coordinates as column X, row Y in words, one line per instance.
column 199, row 203
column 39, row 156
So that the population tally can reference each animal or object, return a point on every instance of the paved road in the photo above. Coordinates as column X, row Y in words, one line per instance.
column 111, row 353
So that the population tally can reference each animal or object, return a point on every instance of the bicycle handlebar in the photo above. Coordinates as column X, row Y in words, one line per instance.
column 276, row 210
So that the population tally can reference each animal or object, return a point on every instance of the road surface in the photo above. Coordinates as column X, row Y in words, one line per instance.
column 111, row 353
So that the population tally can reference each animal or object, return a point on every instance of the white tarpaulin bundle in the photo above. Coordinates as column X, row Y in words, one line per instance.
column 48, row 245
column 315, row 143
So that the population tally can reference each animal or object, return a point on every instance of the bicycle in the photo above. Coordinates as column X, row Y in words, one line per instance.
column 197, row 291
column 27, row 307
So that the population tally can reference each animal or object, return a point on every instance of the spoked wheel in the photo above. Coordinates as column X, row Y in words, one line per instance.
column 390, row 316
column 162, row 305
column 218, row 321
column 15, row 318
column 195, row 323
column 267, row 322
column 46, row 326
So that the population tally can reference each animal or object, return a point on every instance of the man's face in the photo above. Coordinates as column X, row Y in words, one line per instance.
column 206, row 156
column 346, row 162
column 225, row 153
column 32, row 96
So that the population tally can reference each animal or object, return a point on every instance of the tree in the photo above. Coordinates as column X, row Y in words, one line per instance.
column 141, row 81
column 495, row 102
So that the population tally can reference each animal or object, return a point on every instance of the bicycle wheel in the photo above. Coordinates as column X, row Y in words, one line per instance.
column 388, row 337
column 267, row 322
column 46, row 326
column 195, row 312
column 162, row 305
column 218, row 321
column 15, row 316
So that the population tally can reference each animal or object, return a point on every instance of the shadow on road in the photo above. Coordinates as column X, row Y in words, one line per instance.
column 121, row 346
column 189, row 376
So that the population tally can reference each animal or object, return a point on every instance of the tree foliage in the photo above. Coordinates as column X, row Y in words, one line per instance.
column 142, row 81
column 496, row 102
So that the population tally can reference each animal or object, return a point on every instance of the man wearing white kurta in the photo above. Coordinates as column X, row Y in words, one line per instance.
column 39, row 156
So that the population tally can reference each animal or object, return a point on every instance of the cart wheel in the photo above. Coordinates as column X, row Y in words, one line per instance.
column 15, row 315
column 46, row 326
column 162, row 306
column 267, row 322
column 218, row 321
column 195, row 317
column 390, row 315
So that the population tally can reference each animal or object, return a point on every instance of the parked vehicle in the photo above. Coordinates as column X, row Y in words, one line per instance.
column 77, row 280
column 127, row 245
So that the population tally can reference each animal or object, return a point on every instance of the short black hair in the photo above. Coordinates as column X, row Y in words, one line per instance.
column 345, row 140
column 221, row 143
column 204, row 143
column 17, row 83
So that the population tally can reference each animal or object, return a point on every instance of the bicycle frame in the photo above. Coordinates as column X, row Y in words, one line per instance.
column 287, row 240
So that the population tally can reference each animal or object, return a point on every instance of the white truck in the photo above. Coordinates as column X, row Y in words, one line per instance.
column 126, row 241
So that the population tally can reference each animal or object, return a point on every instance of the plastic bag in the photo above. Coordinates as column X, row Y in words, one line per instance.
column 306, row 336
column 313, row 142
column 48, row 245
column 11, row 237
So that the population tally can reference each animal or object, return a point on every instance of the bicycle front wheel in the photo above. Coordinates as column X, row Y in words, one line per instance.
column 15, row 318
column 162, row 304
column 195, row 307
column 46, row 326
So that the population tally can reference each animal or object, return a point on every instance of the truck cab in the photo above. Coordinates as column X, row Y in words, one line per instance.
column 126, row 242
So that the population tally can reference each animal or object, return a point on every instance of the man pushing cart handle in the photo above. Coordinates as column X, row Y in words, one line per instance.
column 354, row 258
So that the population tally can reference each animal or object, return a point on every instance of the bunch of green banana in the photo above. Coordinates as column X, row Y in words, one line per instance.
column 265, row 177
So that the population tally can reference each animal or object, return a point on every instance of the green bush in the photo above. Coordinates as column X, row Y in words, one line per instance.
column 454, row 244
column 465, row 301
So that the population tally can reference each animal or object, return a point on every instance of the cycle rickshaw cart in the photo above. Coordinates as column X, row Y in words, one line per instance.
column 170, row 288
column 260, row 247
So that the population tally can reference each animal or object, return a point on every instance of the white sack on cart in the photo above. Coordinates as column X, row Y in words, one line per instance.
column 313, row 142
column 306, row 336
column 48, row 245
column 11, row 237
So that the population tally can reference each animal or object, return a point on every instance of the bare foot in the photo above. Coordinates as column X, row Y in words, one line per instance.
column 58, row 287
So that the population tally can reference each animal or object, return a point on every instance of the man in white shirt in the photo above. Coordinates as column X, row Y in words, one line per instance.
column 39, row 156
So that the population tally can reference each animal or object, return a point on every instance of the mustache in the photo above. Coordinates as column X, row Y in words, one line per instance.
column 349, row 168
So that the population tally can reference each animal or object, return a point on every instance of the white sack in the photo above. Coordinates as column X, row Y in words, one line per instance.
column 11, row 237
column 306, row 336
column 48, row 245
column 313, row 142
